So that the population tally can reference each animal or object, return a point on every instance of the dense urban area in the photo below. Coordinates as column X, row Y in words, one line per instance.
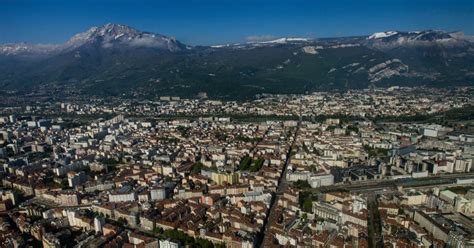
column 364, row 168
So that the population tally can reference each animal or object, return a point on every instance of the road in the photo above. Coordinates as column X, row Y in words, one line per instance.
column 373, row 185
column 282, row 185
column 374, row 223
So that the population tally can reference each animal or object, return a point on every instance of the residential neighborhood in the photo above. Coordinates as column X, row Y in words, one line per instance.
column 311, row 170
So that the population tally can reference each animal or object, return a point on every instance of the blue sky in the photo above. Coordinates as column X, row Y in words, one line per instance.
column 214, row 22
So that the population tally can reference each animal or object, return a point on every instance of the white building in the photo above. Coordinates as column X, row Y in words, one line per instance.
column 124, row 194
column 158, row 194
column 434, row 131
column 297, row 175
column 321, row 180
column 168, row 244
column 98, row 224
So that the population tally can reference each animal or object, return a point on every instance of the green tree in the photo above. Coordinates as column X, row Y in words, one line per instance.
column 245, row 163
column 257, row 165
column 308, row 205
column 302, row 184
column 197, row 168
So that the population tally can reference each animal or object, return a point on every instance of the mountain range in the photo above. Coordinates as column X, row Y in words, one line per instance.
column 120, row 60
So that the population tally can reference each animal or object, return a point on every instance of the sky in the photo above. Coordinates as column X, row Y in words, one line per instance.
column 207, row 22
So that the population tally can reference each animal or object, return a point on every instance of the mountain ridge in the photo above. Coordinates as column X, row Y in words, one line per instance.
column 118, row 59
column 107, row 35
column 121, row 31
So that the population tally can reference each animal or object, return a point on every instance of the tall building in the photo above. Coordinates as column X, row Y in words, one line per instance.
column 98, row 224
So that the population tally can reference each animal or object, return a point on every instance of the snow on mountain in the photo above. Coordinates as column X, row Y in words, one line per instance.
column 220, row 46
column 382, row 35
column 284, row 40
column 120, row 36
column 392, row 39
column 107, row 36
column 110, row 35
column 24, row 49
column 344, row 45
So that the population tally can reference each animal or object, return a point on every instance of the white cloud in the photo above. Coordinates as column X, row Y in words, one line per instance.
column 147, row 42
column 258, row 38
